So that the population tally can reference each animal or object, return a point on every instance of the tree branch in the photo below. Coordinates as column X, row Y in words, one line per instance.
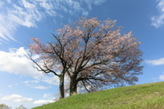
column 39, row 68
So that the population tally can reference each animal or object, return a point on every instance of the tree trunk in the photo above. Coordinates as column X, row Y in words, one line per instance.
column 73, row 86
column 61, row 86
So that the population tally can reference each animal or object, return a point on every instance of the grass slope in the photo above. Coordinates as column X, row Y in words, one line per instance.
column 145, row 96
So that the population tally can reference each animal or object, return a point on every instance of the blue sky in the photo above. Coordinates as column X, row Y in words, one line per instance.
column 20, row 20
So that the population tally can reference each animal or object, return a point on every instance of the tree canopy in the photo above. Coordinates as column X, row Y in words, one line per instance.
column 91, row 54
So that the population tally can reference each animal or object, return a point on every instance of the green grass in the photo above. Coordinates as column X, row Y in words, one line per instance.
column 145, row 96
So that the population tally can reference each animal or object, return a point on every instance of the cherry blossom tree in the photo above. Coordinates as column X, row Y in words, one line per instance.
column 92, row 54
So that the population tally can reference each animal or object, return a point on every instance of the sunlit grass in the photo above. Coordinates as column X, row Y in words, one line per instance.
column 146, row 96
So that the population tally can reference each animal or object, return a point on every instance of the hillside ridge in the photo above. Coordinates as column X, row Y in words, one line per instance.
column 144, row 96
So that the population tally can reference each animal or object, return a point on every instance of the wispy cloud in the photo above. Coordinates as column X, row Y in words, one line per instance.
column 156, row 61
column 12, row 85
column 41, row 87
column 25, row 14
column 48, row 95
column 36, row 84
column 158, row 20
column 14, row 15
column 28, row 13
column 32, row 81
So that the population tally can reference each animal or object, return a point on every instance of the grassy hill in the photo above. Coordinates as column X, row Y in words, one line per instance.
column 145, row 96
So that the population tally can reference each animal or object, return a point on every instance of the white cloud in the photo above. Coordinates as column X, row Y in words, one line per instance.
column 41, row 87
column 90, row 3
column 12, row 85
column 158, row 21
column 16, row 98
column 47, row 98
column 14, row 61
column 156, row 62
column 28, row 13
column 8, row 1
column 27, row 4
column 99, row 2
column 24, row 14
column 48, row 95
column 1, row 3
column 48, row 6
column 51, row 80
column 40, row 102
column 161, row 77
column 6, row 28
column 32, row 81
